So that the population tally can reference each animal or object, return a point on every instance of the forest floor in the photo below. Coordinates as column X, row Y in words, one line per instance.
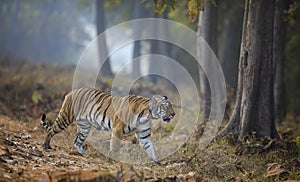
column 28, row 90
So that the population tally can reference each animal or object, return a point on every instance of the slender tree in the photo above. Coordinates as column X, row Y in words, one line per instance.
column 159, row 47
column 254, row 107
column 154, row 49
column 207, row 29
column 41, row 51
column 138, row 13
column 103, row 52
column 15, row 8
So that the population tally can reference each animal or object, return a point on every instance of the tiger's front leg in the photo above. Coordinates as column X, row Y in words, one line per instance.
column 83, row 129
column 144, row 137
column 115, row 141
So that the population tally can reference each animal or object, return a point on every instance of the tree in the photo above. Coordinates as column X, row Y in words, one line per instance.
column 138, row 13
column 13, row 23
column 254, row 107
column 280, row 26
column 44, row 18
column 103, row 52
column 159, row 47
column 207, row 29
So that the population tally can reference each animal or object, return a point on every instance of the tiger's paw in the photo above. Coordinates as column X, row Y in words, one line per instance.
column 85, row 155
column 157, row 162
column 111, row 153
column 79, row 149
column 47, row 147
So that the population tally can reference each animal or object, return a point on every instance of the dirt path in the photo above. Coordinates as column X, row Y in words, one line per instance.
column 23, row 159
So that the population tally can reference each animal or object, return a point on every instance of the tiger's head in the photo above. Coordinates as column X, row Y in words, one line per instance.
column 160, row 107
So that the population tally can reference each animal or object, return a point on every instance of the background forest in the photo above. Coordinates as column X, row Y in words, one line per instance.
column 42, row 41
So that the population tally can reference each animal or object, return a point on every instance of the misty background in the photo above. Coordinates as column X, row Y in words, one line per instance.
column 55, row 32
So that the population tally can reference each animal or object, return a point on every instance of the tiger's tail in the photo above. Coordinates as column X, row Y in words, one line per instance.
column 43, row 122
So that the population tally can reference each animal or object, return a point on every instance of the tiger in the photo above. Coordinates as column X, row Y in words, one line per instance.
column 90, row 107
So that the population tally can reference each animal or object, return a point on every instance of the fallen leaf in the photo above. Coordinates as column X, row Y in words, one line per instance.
column 36, row 153
column 6, row 176
column 27, row 136
column 274, row 169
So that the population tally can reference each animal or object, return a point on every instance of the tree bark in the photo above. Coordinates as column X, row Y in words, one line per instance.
column 280, row 26
column 254, row 109
column 207, row 29
column 103, row 52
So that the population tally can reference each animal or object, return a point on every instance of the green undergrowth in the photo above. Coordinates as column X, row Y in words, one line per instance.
column 251, row 160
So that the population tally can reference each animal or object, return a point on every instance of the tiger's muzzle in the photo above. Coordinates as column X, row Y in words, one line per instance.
column 168, row 118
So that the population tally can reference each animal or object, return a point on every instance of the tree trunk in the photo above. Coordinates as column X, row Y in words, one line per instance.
column 280, row 26
column 159, row 47
column 207, row 29
column 138, row 13
column 42, row 35
column 154, row 49
column 230, row 42
column 12, row 27
column 254, row 108
column 136, row 70
column 103, row 52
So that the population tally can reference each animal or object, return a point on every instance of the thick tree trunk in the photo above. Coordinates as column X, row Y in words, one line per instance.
column 207, row 29
column 103, row 52
column 254, row 109
column 230, row 42
column 280, row 26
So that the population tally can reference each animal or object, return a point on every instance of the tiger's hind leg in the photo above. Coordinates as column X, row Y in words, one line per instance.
column 83, row 129
column 46, row 144
column 63, row 120
column 57, row 127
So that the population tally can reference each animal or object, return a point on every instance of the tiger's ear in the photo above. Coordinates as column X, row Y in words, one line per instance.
column 165, row 97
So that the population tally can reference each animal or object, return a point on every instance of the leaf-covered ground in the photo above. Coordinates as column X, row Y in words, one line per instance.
column 28, row 90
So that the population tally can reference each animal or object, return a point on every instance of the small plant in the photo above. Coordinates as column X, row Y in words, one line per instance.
column 52, row 120
column 36, row 97
column 297, row 141
column 169, row 128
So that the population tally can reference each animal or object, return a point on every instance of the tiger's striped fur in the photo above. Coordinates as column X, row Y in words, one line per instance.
column 93, row 108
